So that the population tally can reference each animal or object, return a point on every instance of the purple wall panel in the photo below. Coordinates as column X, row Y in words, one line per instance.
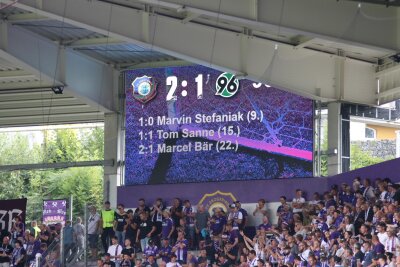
column 245, row 191
column 390, row 169
column 250, row 191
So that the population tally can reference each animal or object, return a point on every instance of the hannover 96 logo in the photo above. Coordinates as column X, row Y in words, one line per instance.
column 144, row 89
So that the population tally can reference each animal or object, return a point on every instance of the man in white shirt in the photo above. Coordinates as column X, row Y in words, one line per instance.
column 115, row 250
column 298, row 203
column 260, row 212
column 93, row 231
column 382, row 235
column 392, row 241
column 304, row 251
column 252, row 259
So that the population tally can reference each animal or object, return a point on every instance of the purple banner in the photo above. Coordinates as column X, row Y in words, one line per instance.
column 9, row 209
column 54, row 211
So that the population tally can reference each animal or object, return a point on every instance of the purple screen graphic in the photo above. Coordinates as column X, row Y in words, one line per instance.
column 270, row 135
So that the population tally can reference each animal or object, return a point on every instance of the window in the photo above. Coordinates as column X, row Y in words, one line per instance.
column 370, row 133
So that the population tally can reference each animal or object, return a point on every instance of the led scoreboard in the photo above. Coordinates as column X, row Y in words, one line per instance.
column 196, row 124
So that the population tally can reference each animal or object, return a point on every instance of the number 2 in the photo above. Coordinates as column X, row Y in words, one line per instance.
column 173, row 82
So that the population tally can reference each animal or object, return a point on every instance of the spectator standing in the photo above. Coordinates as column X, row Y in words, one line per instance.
column 157, row 219
column 145, row 231
column 260, row 212
column 79, row 234
column 106, row 224
column 68, row 241
column 201, row 218
column 298, row 203
column 93, row 231
column 119, row 223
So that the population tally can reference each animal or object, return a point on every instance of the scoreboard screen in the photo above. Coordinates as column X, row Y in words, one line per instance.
column 196, row 124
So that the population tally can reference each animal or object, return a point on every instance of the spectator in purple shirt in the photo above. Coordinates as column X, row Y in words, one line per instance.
column 151, row 249
column 217, row 222
column 165, row 250
column 377, row 247
column 265, row 225
column 168, row 226
column 181, row 248
column 32, row 247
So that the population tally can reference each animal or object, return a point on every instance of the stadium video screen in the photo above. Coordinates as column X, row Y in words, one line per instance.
column 196, row 124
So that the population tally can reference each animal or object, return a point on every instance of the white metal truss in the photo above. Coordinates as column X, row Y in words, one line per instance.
column 293, row 65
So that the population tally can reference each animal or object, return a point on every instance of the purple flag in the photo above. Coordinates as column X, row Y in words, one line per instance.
column 54, row 211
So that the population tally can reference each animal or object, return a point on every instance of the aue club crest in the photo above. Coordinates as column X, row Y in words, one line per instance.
column 144, row 89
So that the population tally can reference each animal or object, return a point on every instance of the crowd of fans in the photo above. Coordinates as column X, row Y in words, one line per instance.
column 351, row 225
column 39, row 245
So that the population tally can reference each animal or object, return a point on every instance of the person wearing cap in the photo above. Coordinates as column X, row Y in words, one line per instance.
column 245, row 215
column 106, row 225
column 151, row 249
column 235, row 217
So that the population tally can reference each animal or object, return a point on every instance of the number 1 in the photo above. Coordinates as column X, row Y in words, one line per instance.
column 199, row 81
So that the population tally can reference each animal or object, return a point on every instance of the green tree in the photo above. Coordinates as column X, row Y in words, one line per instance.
column 360, row 158
column 64, row 145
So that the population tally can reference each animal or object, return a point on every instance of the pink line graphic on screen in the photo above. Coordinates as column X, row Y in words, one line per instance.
column 260, row 145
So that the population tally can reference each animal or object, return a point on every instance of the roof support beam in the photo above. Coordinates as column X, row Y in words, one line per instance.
column 87, row 42
column 58, row 65
column 14, row 74
column 302, row 71
column 25, row 17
